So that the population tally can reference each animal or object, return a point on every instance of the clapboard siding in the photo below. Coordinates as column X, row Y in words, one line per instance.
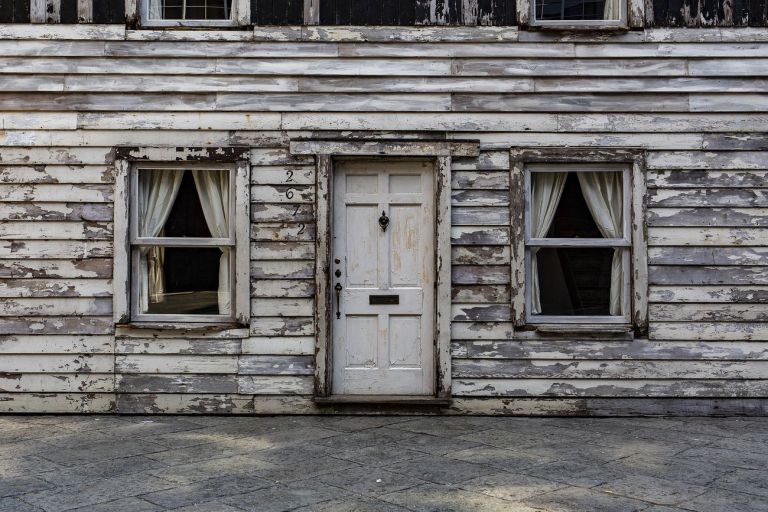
column 71, row 97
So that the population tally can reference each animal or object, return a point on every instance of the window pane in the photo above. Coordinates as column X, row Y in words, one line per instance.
column 577, row 205
column 184, row 281
column 577, row 10
column 180, row 203
column 190, row 9
column 577, row 281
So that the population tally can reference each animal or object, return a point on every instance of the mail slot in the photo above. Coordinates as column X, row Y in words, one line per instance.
column 383, row 299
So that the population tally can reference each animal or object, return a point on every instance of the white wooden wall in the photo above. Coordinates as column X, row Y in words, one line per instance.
column 69, row 95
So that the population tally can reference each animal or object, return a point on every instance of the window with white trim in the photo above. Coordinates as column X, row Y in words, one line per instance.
column 189, row 12
column 182, row 238
column 182, row 243
column 578, row 242
column 585, row 13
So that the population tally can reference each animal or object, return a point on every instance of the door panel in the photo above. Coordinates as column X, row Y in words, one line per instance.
column 383, row 321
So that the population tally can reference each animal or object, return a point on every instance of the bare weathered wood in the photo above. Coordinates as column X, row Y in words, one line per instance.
column 76, row 268
column 180, row 346
column 274, row 385
column 708, row 255
column 280, row 346
column 282, row 307
column 707, row 236
column 606, row 349
column 288, row 326
column 175, row 363
column 57, row 402
column 699, row 197
column 608, row 388
column 276, row 269
column 56, row 363
column 186, row 403
column 85, row 11
column 56, row 344
column 444, row 273
column 736, row 331
column 485, row 274
column 689, row 217
column 56, row 383
column 56, row 307
column 735, row 294
column 137, row 383
column 276, row 365
column 391, row 149
column 479, row 235
column 99, row 212
column 708, row 275
column 629, row 369
column 480, row 255
column 56, row 325
column 480, row 294
column 709, row 312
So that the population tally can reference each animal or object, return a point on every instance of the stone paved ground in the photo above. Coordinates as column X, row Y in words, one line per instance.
column 377, row 464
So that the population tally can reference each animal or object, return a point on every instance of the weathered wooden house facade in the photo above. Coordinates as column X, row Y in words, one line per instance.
column 437, row 206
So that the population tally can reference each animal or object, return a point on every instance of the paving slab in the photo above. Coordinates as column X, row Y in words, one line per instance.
column 382, row 464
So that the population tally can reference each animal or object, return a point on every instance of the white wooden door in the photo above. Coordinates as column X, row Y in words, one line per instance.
column 383, row 313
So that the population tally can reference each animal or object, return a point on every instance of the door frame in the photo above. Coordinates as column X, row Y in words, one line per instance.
column 441, row 153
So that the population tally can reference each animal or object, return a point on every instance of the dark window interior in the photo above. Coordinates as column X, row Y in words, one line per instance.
column 570, row 10
column 573, row 218
column 574, row 281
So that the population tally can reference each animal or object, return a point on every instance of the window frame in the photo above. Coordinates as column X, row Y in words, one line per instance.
column 583, row 24
column 634, row 158
column 240, row 16
column 625, row 242
column 136, row 242
column 129, row 158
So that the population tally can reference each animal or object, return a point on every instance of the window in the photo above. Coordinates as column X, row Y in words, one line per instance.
column 182, row 237
column 189, row 12
column 578, row 243
column 182, row 243
column 580, row 12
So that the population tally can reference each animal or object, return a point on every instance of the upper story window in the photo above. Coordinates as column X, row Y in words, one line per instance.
column 189, row 12
column 578, row 243
column 586, row 13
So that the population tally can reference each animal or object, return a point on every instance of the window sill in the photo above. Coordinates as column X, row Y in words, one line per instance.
column 582, row 328
column 586, row 27
column 144, row 329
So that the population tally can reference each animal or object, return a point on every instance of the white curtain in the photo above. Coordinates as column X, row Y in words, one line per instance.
column 611, row 10
column 603, row 192
column 156, row 9
column 546, row 191
column 213, row 190
column 158, row 189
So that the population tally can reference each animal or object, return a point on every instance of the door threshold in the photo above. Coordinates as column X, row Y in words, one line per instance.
column 382, row 400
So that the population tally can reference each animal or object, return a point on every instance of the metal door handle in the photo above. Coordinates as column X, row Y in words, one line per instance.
column 338, row 300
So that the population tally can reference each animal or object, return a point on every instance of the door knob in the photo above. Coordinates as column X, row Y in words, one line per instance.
column 337, row 273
